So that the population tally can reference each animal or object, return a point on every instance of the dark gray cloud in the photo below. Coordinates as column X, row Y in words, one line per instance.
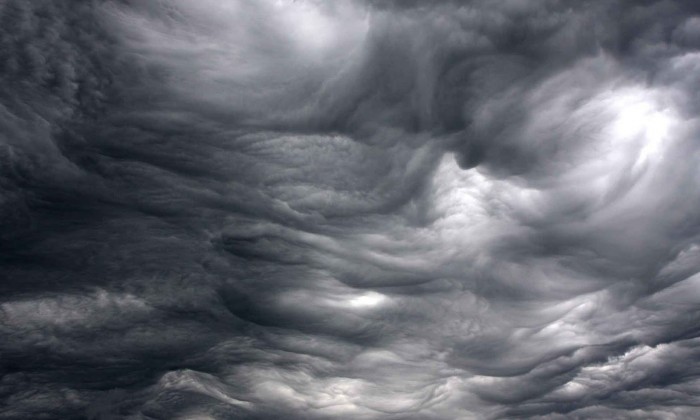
column 364, row 209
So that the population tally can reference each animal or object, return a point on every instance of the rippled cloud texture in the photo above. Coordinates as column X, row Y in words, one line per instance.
column 349, row 210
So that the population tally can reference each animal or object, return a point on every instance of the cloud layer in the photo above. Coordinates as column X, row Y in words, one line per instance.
column 358, row 209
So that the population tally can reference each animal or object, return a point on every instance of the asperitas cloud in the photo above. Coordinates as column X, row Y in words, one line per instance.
column 360, row 209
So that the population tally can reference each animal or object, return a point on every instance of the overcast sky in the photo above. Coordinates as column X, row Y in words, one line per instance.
column 353, row 209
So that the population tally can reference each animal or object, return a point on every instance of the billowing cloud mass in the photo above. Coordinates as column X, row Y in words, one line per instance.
column 361, row 209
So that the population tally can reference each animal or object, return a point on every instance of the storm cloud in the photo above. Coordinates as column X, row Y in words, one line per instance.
column 359, row 209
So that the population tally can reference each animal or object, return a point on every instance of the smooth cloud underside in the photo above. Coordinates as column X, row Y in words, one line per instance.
column 360, row 209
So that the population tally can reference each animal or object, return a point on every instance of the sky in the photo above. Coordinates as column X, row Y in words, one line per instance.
column 357, row 209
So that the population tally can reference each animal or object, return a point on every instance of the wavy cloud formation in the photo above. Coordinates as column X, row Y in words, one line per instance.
column 358, row 209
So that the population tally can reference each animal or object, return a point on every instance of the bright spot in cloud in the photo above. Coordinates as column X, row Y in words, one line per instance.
column 315, row 28
column 459, row 194
column 367, row 300
column 656, row 132
column 641, row 119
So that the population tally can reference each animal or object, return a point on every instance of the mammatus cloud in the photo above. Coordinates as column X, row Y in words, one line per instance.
column 357, row 209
